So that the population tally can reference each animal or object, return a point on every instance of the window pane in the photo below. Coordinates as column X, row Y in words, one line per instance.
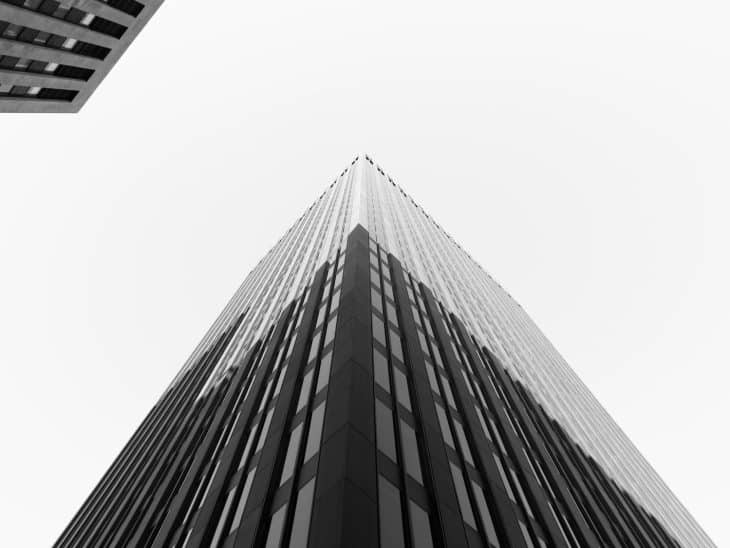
column 302, row 515
column 324, row 372
column 322, row 313
column 526, row 534
column 374, row 276
column 335, row 301
column 498, row 436
column 432, row 378
column 504, row 480
column 401, row 388
column 484, row 515
column 242, row 501
column 315, row 347
column 463, row 497
column 420, row 527
column 391, row 522
column 462, row 442
column 380, row 366
column 384, row 268
column 222, row 519
column 315, row 432
column 291, row 453
column 275, row 530
column 280, row 381
column 422, row 342
column 437, row 357
column 378, row 330
column 247, row 449
column 466, row 381
column 391, row 313
column 375, row 299
column 445, row 426
column 410, row 452
column 484, row 425
column 331, row 326
column 264, row 431
column 447, row 392
column 521, row 493
column 395, row 345
column 384, row 426
column 306, row 387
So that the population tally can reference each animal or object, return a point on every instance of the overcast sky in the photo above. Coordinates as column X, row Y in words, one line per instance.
column 579, row 154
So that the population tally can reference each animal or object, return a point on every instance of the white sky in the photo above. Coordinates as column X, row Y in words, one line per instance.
column 579, row 153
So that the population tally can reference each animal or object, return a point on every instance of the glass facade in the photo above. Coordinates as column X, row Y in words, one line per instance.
column 370, row 385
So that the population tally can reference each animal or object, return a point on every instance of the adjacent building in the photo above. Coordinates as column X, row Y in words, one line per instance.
column 54, row 53
column 371, row 385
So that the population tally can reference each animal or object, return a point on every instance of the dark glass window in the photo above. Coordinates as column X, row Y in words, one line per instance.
column 391, row 521
column 315, row 432
column 410, row 452
column 384, row 425
column 380, row 367
column 420, row 527
column 401, row 388
column 463, row 496
column 291, row 454
column 276, row 528
column 302, row 515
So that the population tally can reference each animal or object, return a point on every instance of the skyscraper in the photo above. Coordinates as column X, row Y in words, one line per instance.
column 54, row 53
column 369, row 384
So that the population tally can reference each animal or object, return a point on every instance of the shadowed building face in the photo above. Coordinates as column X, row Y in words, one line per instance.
column 54, row 54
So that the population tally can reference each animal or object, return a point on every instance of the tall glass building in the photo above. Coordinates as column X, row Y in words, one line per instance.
column 369, row 384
